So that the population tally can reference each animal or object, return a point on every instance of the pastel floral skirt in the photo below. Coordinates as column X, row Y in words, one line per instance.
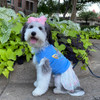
column 69, row 80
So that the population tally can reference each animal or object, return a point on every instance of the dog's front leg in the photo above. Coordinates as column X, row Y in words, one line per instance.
column 36, row 66
column 43, row 77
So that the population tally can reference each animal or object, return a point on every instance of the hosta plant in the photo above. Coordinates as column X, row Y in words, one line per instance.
column 11, row 46
column 7, row 14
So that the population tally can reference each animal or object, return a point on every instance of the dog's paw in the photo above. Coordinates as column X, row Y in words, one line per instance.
column 45, row 66
column 37, row 92
column 59, row 91
column 44, row 61
column 35, row 83
column 56, row 91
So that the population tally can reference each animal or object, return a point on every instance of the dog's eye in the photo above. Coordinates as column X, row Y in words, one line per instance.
column 31, row 26
column 40, row 28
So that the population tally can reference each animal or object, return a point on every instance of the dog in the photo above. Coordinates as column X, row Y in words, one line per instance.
column 49, row 61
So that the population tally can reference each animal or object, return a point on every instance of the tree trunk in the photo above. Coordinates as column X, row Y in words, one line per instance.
column 73, row 15
column 67, row 7
column 58, row 7
column 86, row 20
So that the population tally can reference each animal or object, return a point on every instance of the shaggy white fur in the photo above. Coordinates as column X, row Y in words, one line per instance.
column 37, row 36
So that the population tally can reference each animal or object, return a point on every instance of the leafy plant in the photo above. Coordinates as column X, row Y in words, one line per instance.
column 87, row 15
column 71, row 40
column 7, row 14
column 67, row 36
column 94, row 33
column 11, row 46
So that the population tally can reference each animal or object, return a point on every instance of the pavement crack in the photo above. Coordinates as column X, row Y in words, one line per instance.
column 5, row 87
column 3, row 90
column 96, row 46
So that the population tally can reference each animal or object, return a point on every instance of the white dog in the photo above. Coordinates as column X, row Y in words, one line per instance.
column 49, row 60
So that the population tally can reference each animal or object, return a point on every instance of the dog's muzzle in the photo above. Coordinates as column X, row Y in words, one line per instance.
column 33, row 39
column 33, row 33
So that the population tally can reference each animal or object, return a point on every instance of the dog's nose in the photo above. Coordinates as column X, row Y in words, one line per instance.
column 33, row 33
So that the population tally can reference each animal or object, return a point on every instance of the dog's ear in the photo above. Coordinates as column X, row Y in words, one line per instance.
column 23, row 32
column 49, row 35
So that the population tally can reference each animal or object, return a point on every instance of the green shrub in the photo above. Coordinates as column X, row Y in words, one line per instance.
column 71, row 41
column 11, row 46
column 93, row 33
column 67, row 36
column 87, row 26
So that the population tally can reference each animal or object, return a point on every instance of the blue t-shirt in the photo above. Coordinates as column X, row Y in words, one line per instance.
column 58, row 62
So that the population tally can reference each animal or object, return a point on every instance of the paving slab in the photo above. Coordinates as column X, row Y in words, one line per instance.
column 24, row 73
column 3, row 84
column 95, row 41
column 21, row 91
column 95, row 57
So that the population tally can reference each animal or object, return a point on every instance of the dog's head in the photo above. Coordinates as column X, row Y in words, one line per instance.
column 36, row 33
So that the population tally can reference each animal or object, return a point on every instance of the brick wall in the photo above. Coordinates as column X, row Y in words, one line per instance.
column 14, row 5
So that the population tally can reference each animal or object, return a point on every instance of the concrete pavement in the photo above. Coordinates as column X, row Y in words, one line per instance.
column 19, row 86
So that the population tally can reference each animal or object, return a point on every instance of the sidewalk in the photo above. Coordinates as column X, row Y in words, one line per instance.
column 19, row 86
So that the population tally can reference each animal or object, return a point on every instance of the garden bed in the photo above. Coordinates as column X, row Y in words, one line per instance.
column 67, row 36
column 27, row 73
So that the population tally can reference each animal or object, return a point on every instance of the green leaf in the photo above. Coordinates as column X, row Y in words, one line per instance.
column 5, row 73
column 10, row 65
column 19, row 52
column 75, row 50
column 92, row 50
column 28, row 57
column 56, row 44
column 7, row 13
column 87, row 44
column 3, row 54
column 18, row 40
column 11, row 54
column 1, row 68
column 59, row 47
column 10, row 68
column 86, row 60
column 54, row 35
column 17, row 28
column 83, row 67
column 69, row 41
column 5, row 31
column 5, row 36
